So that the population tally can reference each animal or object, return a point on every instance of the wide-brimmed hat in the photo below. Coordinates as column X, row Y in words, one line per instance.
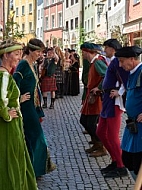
column 129, row 51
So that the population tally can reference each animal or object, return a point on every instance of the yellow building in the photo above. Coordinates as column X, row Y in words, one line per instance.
column 25, row 16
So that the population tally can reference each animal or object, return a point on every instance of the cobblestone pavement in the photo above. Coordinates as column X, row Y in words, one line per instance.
column 75, row 169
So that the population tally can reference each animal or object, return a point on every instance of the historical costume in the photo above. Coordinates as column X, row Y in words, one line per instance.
column 132, row 136
column 27, row 81
column 16, row 171
column 90, row 110
column 73, row 77
column 59, row 74
column 48, row 81
column 112, row 109
column 67, row 64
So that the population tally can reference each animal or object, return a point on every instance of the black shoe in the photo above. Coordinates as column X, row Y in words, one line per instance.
column 117, row 172
column 91, row 142
column 44, row 106
column 109, row 168
column 51, row 106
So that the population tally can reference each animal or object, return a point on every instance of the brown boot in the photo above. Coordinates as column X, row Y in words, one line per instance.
column 93, row 148
column 99, row 152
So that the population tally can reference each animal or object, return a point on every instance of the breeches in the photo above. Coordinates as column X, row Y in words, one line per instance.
column 89, row 122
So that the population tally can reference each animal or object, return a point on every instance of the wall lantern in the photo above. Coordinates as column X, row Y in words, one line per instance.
column 99, row 8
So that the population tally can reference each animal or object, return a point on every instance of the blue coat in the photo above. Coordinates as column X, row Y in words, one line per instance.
column 109, row 83
column 133, row 142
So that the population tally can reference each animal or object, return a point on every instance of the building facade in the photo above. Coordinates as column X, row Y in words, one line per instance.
column 72, row 19
column 53, row 21
column 115, row 17
column 89, row 20
column 39, row 20
column 25, row 16
column 101, row 24
column 133, row 24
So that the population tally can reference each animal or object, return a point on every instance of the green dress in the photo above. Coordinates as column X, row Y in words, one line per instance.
column 16, row 171
column 27, row 81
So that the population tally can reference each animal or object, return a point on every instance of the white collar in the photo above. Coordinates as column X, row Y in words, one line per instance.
column 96, row 56
column 112, row 58
column 133, row 70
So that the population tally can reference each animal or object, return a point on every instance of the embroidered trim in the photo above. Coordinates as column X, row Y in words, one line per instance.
column 19, row 74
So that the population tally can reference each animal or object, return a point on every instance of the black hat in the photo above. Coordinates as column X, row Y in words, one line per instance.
column 129, row 51
column 114, row 43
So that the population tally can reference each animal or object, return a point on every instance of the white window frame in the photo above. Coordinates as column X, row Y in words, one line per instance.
column 59, row 19
column 47, row 22
column 23, row 10
column 30, row 26
column 30, row 8
column 17, row 11
column 52, row 16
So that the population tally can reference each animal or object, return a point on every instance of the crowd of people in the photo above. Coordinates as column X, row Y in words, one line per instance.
column 110, row 89
column 26, row 75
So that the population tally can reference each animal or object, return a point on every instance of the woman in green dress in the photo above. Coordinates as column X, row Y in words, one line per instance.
column 16, row 171
column 27, row 82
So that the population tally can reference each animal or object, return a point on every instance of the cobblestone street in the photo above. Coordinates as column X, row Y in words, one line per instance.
column 75, row 169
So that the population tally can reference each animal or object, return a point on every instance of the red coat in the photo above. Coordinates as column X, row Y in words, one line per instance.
column 94, row 80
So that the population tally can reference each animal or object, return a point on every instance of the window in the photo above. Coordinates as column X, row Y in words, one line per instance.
column 76, row 1
column 47, row 23
column 41, row 12
column 59, row 19
column 89, row 1
column 41, row 32
column 53, row 21
column 92, row 23
column 38, row 14
column 47, row 2
column 85, row 3
column 136, row 1
column 30, row 26
column 67, row 25
column 17, row 11
column 88, row 25
column 52, row 1
column 85, row 25
column 109, row 3
column 67, row 3
column 30, row 8
column 23, row 10
column 23, row 27
column 76, row 22
column 72, row 2
column 38, row 32
column 71, row 24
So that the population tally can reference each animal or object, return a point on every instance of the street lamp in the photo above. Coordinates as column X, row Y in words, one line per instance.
column 99, row 8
